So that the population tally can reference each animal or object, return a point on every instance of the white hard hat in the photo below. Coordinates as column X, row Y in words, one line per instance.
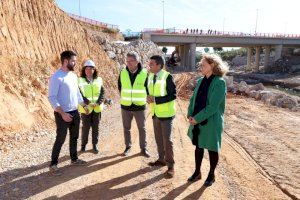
column 89, row 63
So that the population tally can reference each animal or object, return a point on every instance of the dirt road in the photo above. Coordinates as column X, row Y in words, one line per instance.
column 259, row 160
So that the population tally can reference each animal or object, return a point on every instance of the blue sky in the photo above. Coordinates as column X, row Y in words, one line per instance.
column 274, row 16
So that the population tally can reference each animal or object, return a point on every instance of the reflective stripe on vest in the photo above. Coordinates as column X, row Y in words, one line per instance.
column 135, row 94
column 159, row 89
column 91, row 91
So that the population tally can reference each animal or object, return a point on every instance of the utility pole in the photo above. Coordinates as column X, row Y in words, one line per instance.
column 256, row 21
column 223, row 24
column 163, row 4
column 79, row 8
column 285, row 24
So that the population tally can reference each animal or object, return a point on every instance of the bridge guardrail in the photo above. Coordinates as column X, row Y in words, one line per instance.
column 94, row 22
column 220, row 33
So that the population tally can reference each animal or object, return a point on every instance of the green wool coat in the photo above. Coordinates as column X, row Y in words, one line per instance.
column 211, row 133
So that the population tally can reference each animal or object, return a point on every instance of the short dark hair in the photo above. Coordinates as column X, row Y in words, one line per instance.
column 67, row 55
column 158, row 60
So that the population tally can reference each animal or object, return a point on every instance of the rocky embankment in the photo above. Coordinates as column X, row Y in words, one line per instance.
column 117, row 50
column 258, row 91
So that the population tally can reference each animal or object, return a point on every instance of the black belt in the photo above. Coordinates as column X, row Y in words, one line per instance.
column 72, row 112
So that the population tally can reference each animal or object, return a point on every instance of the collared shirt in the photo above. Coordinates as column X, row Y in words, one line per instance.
column 64, row 91
column 89, row 80
column 158, row 73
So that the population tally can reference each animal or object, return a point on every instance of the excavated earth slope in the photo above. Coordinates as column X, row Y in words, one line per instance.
column 32, row 35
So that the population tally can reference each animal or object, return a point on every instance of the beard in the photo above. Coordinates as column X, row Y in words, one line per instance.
column 70, row 67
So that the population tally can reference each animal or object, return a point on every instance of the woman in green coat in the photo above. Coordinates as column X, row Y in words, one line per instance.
column 206, row 114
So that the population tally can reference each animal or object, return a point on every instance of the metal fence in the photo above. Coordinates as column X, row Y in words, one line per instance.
column 94, row 22
column 219, row 33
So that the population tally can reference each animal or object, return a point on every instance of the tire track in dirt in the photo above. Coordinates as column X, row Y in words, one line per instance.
column 247, row 156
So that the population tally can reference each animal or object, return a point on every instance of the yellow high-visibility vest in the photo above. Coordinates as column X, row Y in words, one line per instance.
column 159, row 89
column 91, row 91
column 133, row 94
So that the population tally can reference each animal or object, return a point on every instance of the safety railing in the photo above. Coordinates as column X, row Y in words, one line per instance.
column 219, row 33
column 93, row 22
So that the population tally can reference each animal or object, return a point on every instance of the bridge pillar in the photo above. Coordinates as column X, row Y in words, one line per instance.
column 249, row 56
column 278, row 50
column 182, row 56
column 267, row 57
column 186, row 55
column 146, row 36
column 178, row 50
column 257, row 58
column 192, row 62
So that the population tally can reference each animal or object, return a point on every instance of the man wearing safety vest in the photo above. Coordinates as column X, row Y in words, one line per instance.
column 132, row 84
column 161, row 99
column 92, row 91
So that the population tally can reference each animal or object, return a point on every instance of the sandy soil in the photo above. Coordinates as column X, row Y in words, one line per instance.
column 259, row 160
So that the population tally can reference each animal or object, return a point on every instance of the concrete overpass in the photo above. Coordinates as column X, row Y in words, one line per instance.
column 186, row 41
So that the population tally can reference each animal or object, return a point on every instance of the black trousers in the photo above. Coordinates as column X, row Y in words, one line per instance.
column 199, row 152
column 213, row 160
column 88, row 121
column 61, row 133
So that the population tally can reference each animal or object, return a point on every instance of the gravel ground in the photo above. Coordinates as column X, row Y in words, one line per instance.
column 241, row 173
column 28, row 154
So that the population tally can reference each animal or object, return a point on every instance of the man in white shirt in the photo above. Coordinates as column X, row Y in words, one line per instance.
column 64, row 97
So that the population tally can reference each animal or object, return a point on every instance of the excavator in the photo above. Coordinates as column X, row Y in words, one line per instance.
column 174, row 60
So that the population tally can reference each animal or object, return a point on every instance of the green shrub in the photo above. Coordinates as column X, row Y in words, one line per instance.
column 229, row 55
column 198, row 56
column 110, row 30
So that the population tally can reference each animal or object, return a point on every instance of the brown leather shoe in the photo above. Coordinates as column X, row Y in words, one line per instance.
column 170, row 173
column 157, row 163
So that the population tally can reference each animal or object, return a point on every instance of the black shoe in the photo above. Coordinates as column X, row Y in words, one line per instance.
column 78, row 162
column 209, row 180
column 95, row 149
column 55, row 170
column 157, row 163
column 127, row 151
column 194, row 177
column 170, row 172
column 145, row 153
column 82, row 148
